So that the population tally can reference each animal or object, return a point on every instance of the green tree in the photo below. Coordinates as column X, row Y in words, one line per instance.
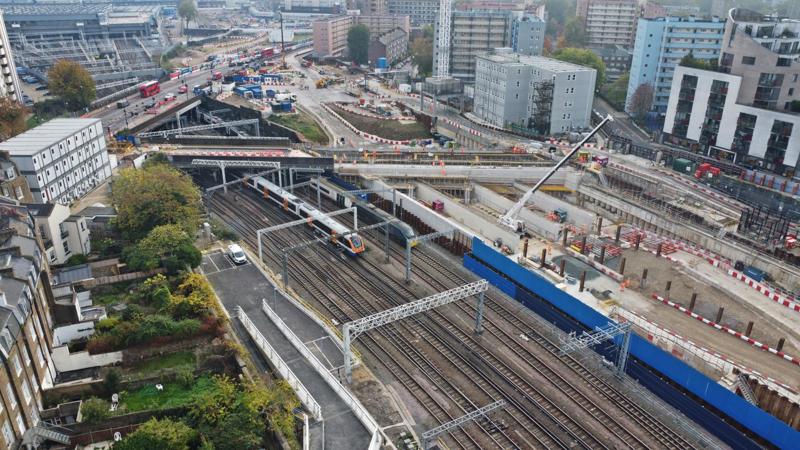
column 164, row 434
column 583, row 57
column 12, row 118
column 157, row 195
column 698, row 63
column 187, row 11
column 575, row 32
column 358, row 43
column 237, row 430
column 169, row 245
column 617, row 91
column 422, row 55
column 95, row 410
column 72, row 83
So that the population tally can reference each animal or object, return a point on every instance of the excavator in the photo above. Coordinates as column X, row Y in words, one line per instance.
column 511, row 217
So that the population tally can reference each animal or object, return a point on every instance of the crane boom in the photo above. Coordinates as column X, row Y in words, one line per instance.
column 509, row 219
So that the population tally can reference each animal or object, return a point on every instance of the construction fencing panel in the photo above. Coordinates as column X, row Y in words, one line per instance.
column 280, row 365
column 649, row 364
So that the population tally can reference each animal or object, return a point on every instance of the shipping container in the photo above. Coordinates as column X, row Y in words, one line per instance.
column 381, row 63
column 682, row 165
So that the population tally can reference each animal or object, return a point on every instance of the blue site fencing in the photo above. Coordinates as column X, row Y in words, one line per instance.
column 660, row 372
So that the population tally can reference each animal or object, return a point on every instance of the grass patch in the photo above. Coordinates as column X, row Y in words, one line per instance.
column 115, row 293
column 170, row 361
column 300, row 37
column 303, row 124
column 387, row 129
column 172, row 396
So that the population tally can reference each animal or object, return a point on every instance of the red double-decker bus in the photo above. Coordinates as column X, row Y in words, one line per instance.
column 149, row 89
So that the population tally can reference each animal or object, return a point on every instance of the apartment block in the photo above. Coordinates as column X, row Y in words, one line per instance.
column 472, row 33
column 62, row 233
column 9, row 81
column 312, row 6
column 330, row 34
column 704, row 114
column 763, row 51
column 527, row 35
column 421, row 12
column 609, row 22
column 660, row 45
column 535, row 93
column 26, row 334
column 62, row 159
column 391, row 45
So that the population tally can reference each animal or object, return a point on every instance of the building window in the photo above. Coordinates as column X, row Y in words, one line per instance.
column 40, row 357
column 8, row 434
column 791, row 92
column 20, row 424
column 18, row 192
column 784, row 62
column 11, row 399
column 17, row 365
column 26, row 392
column 748, row 60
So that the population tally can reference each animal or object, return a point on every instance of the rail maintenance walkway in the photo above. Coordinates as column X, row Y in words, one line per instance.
column 246, row 286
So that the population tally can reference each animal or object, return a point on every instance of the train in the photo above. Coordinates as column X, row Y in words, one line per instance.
column 343, row 237
column 399, row 231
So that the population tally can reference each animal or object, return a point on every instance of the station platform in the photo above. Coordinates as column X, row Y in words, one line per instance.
column 246, row 286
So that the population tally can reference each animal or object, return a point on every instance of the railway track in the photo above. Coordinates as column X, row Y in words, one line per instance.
column 492, row 376
column 430, row 268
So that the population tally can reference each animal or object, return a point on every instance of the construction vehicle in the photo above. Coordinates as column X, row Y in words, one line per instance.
column 322, row 83
column 510, row 218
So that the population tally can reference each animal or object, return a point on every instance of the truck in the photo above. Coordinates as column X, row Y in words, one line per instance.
column 285, row 96
column 753, row 273
column 268, row 52
column 706, row 170
column 216, row 76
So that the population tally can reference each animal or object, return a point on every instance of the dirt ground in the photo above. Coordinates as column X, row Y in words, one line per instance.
column 709, row 298
column 387, row 129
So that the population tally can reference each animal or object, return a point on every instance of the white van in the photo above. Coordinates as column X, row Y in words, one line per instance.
column 236, row 254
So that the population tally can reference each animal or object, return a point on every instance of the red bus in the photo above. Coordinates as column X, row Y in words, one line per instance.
column 149, row 89
column 267, row 52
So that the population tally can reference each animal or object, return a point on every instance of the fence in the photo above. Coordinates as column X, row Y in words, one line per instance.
column 280, row 365
column 358, row 409
column 99, row 281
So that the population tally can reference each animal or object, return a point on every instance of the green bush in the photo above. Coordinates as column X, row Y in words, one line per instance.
column 111, row 381
column 76, row 260
column 95, row 410
column 222, row 231
column 185, row 377
column 107, row 324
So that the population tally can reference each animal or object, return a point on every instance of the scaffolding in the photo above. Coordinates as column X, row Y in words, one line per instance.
column 542, row 99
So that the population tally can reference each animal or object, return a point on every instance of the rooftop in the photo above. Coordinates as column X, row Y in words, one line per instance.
column 55, row 9
column 40, row 209
column 504, row 56
column 45, row 135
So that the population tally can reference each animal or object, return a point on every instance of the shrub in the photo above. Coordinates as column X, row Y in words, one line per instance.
column 165, row 434
column 185, row 377
column 95, row 410
column 111, row 382
column 107, row 324
column 101, row 343
column 76, row 260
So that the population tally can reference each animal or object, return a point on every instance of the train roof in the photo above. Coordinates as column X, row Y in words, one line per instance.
column 313, row 212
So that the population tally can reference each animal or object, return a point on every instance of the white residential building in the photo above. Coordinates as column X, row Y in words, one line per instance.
column 704, row 114
column 63, row 234
column 62, row 159
column 9, row 81
column 541, row 94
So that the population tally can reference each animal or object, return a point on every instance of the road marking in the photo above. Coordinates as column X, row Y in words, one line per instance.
column 211, row 260
column 323, row 355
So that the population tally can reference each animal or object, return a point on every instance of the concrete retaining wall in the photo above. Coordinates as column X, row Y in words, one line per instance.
column 575, row 215
column 780, row 271
column 478, row 174
column 533, row 221
column 467, row 216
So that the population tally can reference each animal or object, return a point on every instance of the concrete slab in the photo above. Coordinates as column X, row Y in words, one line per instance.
column 246, row 286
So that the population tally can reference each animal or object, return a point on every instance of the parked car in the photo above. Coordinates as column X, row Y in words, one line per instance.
column 236, row 254
column 169, row 97
column 183, row 89
column 41, row 88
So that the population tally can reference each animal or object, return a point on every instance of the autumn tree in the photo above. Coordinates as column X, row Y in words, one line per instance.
column 616, row 92
column 187, row 11
column 358, row 43
column 72, row 83
column 12, row 118
column 641, row 101
column 575, row 32
column 422, row 55
column 156, row 195
column 164, row 434
column 583, row 57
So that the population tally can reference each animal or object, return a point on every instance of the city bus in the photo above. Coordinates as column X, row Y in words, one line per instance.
column 149, row 89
